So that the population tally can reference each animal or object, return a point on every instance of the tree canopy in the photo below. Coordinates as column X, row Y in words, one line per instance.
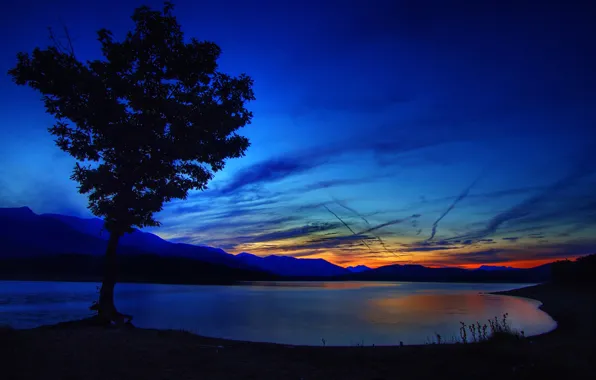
column 149, row 121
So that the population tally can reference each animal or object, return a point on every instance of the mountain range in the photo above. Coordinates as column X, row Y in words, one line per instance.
column 33, row 245
column 26, row 234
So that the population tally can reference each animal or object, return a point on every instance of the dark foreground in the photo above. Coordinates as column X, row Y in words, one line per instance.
column 75, row 351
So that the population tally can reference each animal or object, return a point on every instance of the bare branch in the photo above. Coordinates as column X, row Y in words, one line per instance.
column 67, row 35
column 62, row 48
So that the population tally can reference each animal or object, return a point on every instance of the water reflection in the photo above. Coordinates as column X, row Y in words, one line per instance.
column 342, row 313
column 442, row 313
column 324, row 285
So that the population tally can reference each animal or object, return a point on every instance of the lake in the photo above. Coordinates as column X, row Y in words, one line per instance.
column 342, row 313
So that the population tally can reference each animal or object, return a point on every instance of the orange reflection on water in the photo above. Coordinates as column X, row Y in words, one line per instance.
column 444, row 312
column 318, row 285
column 419, row 307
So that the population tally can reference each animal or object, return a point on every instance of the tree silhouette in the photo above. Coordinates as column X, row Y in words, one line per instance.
column 151, row 120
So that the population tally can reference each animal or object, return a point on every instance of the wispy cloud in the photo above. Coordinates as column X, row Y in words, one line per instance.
column 535, row 202
column 426, row 249
column 272, row 170
column 389, row 223
column 302, row 161
column 460, row 198
column 345, row 224
column 290, row 233
column 353, row 211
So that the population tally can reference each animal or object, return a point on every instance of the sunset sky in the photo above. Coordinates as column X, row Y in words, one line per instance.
column 433, row 132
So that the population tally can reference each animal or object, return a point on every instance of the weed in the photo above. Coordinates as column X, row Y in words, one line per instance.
column 496, row 330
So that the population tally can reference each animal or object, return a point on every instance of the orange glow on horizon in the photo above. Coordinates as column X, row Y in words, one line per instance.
column 521, row 264
column 430, row 262
column 374, row 258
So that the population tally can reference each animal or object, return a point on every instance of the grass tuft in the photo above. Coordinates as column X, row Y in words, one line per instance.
column 497, row 330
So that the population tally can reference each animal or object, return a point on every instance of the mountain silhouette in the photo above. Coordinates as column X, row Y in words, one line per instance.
column 26, row 234
column 358, row 268
column 292, row 266
column 69, row 247
column 59, row 247
column 150, row 243
column 398, row 272
column 494, row 267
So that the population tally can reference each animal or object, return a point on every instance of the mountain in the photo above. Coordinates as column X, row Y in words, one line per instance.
column 28, row 240
column 150, row 243
column 24, row 233
column 55, row 246
column 145, row 268
column 292, row 266
column 494, row 268
column 421, row 273
column 358, row 268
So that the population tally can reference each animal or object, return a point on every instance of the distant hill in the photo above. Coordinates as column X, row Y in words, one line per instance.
column 146, row 268
column 420, row 273
column 494, row 268
column 358, row 268
column 64, row 247
column 150, row 243
column 26, row 234
column 293, row 267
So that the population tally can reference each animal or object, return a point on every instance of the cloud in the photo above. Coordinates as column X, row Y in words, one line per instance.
column 486, row 196
column 221, row 232
column 334, row 183
column 342, row 244
column 477, row 257
column 289, row 233
column 425, row 249
column 566, row 249
column 534, row 203
column 577, row 211
column 460, row 198
column 272, row 170
column 305, row 160
column 305, row 254
column 345, row 224
column 512, row 239
column 389, row 223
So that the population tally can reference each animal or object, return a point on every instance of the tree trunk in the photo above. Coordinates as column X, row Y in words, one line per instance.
column 105, row 307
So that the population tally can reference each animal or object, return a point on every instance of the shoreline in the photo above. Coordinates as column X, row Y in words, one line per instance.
column 533, row 292
column 72, row 350
column 571, row 307
column 530, row 292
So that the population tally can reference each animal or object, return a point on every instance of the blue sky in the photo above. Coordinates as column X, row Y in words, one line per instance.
column 376, row 123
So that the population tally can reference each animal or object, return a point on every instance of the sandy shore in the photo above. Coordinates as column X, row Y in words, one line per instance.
column 73, row 351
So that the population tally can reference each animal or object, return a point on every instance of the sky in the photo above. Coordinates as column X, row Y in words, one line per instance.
column 442, row 133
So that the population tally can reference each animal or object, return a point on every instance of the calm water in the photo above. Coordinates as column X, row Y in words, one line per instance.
column 347, row 313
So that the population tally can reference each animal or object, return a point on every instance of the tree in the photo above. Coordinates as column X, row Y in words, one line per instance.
column 146, row 123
